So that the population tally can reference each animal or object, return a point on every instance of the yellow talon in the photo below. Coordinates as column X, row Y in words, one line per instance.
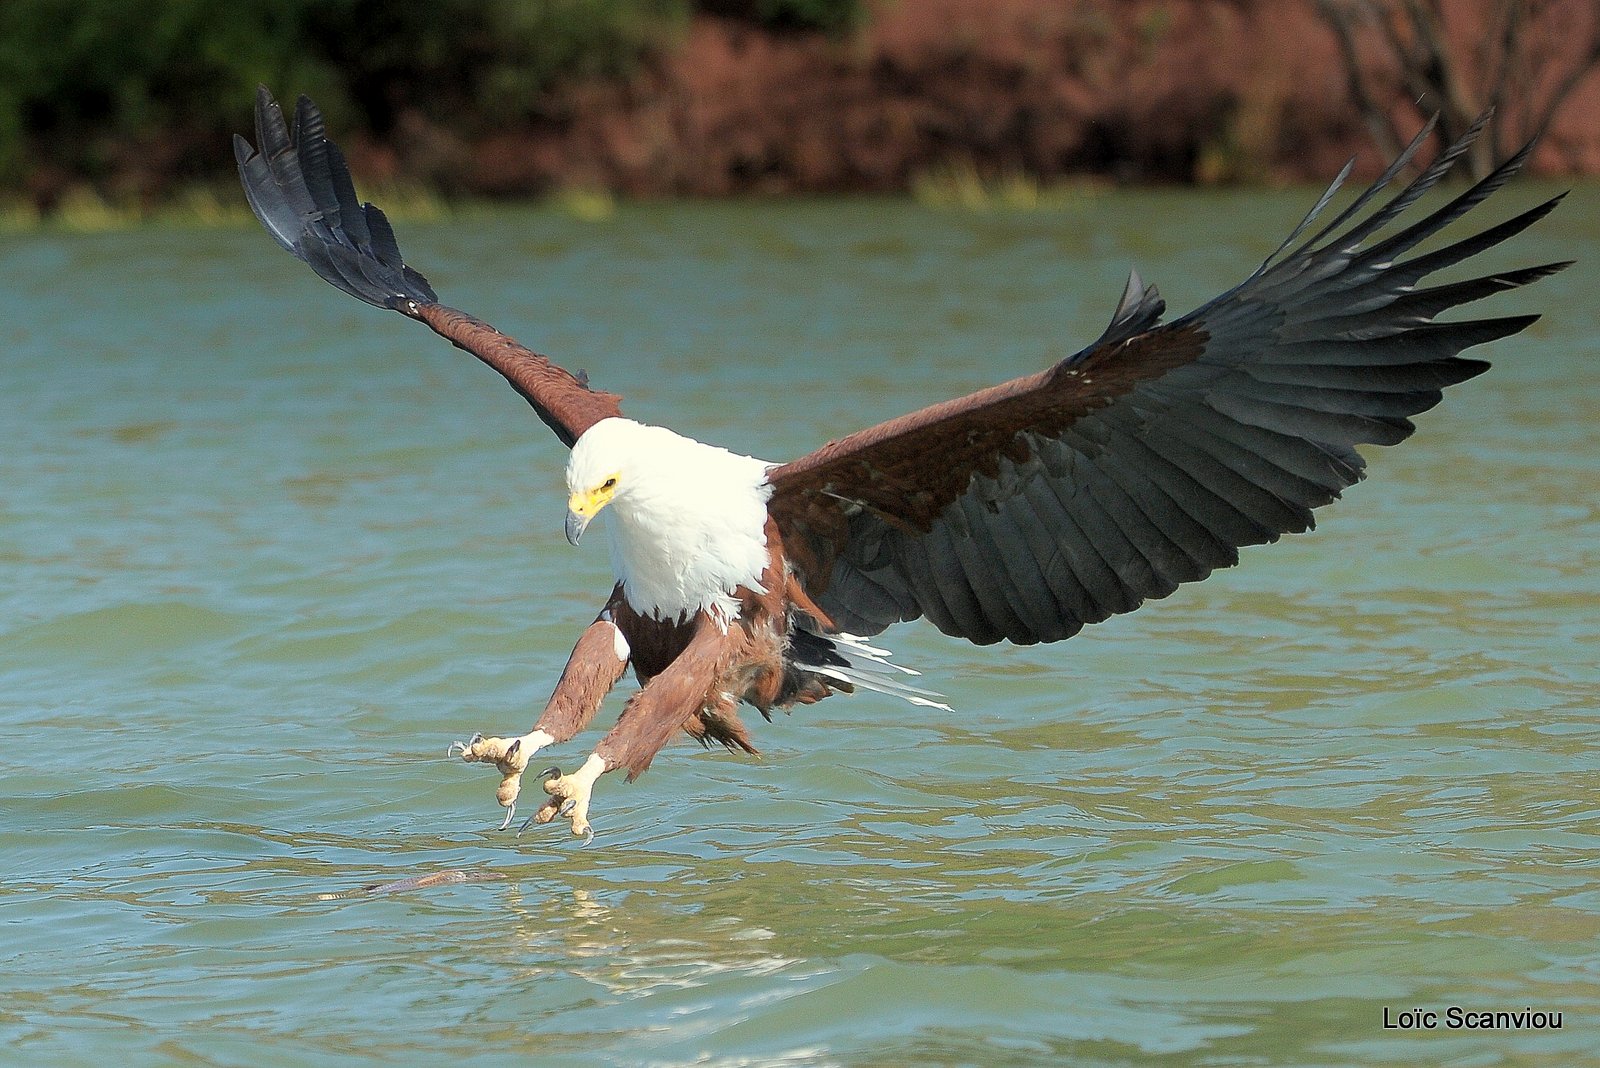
column 569, row 795
column 510, row 757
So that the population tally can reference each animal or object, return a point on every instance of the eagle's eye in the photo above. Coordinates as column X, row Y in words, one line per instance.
column 609, row 483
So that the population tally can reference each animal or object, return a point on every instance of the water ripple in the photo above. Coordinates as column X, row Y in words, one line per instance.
column 266, row 554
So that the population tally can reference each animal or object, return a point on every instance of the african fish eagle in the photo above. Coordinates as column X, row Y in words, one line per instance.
column 1020, row 512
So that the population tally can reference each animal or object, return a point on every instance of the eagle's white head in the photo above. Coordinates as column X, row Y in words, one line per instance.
column 688, row 520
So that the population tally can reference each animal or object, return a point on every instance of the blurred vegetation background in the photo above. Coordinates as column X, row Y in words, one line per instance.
column 86, row 87
column 85, row 84
column 130, row 104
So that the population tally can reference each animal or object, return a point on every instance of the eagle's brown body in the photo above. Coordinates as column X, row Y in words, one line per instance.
column 693, row 673
column 1020, row 512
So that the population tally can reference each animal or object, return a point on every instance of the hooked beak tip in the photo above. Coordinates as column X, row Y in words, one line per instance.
column 575, row 525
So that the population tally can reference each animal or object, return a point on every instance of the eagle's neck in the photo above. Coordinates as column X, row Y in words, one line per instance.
column 690, row 529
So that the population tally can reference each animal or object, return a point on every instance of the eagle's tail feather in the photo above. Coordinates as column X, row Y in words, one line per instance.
column 848, row 659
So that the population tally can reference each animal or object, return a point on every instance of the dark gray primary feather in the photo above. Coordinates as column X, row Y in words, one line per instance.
column 1323, row 348
column 299, row 187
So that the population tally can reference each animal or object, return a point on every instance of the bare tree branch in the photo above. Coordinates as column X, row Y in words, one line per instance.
column 1502, row 71
column 1505, row 69
column 1565, row 87
column 1436, row 76
column 1379, row 125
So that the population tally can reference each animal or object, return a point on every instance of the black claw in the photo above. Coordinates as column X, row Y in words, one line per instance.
column 552, row 770
column 513, row 749
column 566, row 807
column 525, row 825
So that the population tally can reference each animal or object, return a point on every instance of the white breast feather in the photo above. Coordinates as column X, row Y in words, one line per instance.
column 688, row 523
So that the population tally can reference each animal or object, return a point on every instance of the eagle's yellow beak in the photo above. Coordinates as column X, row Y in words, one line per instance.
column 582, row 507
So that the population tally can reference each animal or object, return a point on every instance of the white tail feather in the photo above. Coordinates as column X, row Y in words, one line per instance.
column 856, row 663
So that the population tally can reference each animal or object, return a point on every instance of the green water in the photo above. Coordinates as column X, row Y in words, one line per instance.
column 264, row 552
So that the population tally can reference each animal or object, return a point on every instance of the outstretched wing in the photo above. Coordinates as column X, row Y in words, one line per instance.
column 1026, row 510
column 300, row 189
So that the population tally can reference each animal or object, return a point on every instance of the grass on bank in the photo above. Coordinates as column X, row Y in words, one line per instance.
column 960, row 186
column 82, row 210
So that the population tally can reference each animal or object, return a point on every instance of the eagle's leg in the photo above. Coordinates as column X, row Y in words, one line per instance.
column 597, row 662
column 649, row 720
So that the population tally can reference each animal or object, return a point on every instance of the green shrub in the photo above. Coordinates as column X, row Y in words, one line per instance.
column 836, row 17
column 86, row 86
